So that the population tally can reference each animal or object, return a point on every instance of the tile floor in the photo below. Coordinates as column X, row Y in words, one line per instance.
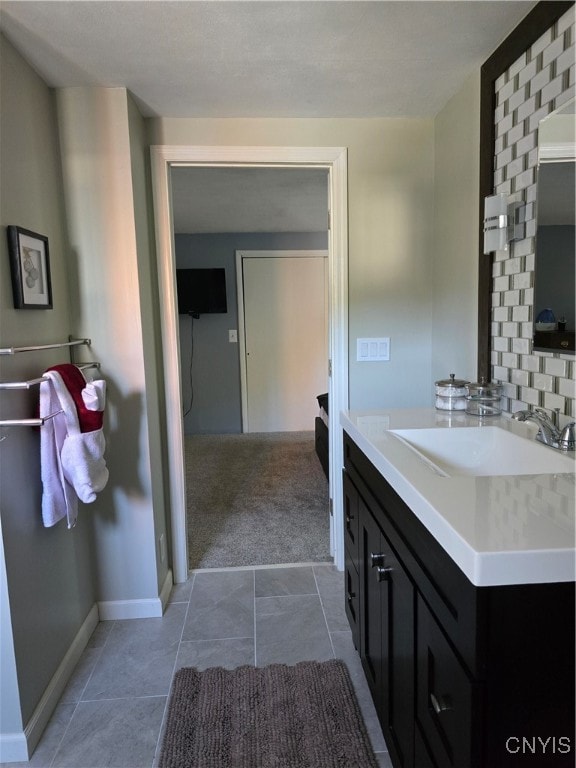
column 111, row 714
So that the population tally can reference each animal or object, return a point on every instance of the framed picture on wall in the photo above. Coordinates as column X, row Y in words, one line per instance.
column 30, row 269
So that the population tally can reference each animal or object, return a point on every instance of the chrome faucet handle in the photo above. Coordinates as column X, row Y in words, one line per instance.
column 567, row 440
column 521, row 415
column 545, row 420
column 543, row 414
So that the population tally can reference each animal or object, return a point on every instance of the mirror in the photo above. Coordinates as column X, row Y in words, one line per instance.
column 555, row 275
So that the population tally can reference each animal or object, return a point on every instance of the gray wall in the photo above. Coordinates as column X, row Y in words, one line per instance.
column 49, row 571
column 456, row 204
column 390, row 180
column 216, row 406
column 106, row 204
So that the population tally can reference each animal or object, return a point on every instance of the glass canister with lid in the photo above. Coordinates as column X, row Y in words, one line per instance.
column 451, row 394
column 484, row 398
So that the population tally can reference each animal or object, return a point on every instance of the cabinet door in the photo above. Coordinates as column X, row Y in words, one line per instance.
column 350, row 518
column 352, row 584
column 445, row 695
column 352, row 596
column 422, row 757
column 398, row 653
column 387, row 637
column 371, row 607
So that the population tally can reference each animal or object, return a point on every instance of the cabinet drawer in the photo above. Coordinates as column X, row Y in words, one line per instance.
column 445, row 700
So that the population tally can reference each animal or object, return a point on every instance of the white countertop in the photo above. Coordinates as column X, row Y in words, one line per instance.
column 505, row 529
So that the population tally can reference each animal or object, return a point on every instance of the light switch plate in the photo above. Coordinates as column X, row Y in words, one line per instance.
column 373, row 350
column 233, row 337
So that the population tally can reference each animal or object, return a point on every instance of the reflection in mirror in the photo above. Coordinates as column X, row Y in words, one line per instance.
column 555, row 275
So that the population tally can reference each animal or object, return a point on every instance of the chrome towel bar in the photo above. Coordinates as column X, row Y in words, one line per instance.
column 71, row 343
column 27, row 422
column 10, row 385
column 32, row 382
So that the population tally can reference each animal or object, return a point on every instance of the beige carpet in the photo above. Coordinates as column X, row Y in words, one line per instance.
column 255, row 499
column 279, row 716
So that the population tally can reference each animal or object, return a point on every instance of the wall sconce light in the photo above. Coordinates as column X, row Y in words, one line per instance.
column 503, row 222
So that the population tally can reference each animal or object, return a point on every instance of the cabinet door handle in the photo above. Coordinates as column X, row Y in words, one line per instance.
column 349, row 518
column 351, row 596
column 383, row 573
column 376, row 558
column 440, row 704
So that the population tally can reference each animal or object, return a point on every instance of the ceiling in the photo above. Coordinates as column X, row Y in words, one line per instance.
column 238, row 58
column 263, row 58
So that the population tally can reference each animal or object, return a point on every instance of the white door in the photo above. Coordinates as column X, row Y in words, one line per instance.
column 286, row 345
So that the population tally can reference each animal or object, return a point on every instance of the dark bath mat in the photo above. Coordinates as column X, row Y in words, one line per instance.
column 279, row 716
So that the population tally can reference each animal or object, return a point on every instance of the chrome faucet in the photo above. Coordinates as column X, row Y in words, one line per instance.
column 549, row 431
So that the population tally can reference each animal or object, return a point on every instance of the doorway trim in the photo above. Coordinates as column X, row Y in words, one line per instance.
column 335, row 161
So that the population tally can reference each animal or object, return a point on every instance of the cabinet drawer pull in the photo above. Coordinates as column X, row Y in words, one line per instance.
column 383, row 573
column 376, row 558
column 441, row 704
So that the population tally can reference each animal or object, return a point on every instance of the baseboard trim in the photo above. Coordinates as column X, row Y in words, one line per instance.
column 18, row 747
column 147, row 608
column 13, row 747
column 166, row 590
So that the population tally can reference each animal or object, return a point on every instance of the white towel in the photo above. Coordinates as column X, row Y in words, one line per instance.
column 72, row 460
column 94, row 395
column 83, row 463
column 58, row 497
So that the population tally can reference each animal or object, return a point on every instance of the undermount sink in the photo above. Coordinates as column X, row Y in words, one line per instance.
column 481, row 451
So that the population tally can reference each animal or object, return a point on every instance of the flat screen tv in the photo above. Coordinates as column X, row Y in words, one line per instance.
column 201, row 291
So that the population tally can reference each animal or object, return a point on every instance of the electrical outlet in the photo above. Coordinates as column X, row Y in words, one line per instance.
column 233, row 337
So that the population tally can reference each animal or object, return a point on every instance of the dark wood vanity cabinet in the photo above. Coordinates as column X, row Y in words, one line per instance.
column 351, row 582
column 387, row 634
column 461, row 676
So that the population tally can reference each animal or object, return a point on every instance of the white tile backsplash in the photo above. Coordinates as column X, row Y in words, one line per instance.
column 550, row 53
column 537, row 83
column 521, row 346
column 527, row 142
column 552, row 90
column 540, row 80
column 564, row 61
column 527, row 73
column 529, row 396
column 521, row 314
column 511, row 298
column 567, row 388
column 521, row 378
column 543, row 382
column 541, row 43
column 522, row 281
column 565, row 22
column 556, row 367
column 509, row 330
column 512, row 266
